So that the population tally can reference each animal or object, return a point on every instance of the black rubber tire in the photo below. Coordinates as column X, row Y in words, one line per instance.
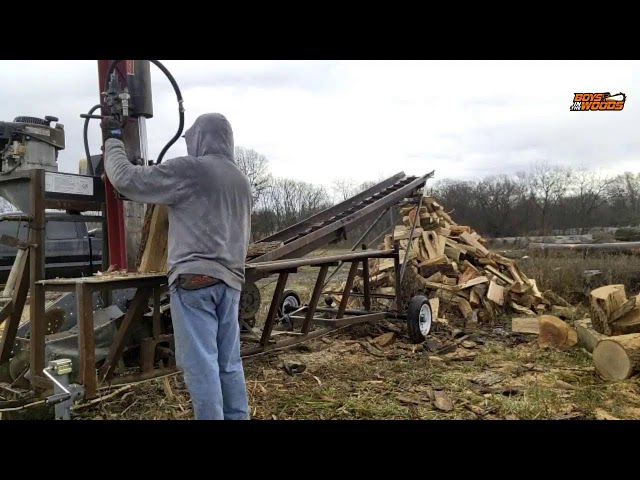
column 413, row 318
column 285, row 295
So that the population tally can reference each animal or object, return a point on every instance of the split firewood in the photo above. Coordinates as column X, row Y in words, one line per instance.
column 449, row 281
column 452, row 253
column 481, row 289
column 487, row 261
column 555, row 299
column 458, row 229
column 468, row 314
column 468, row 274
column 612, row 313
column 438, row 260
column 402, row 233
column 435, row 278
column 434, row 303
column 466, row 264
column 495, row 293
column 262, row 248
column 520, row 309
column 500, row 275
column 520, row 287
column 623, row 309
column 152, row 254
column 473, row 282
column 525, row 325
column 628, row 323
column 464, row 306
column 385, row 339
column 470, row 240
column 474, row 299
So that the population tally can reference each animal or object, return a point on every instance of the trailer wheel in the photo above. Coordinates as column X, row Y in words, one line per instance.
column 419, row 319
column 250, row 299
column 290, row 302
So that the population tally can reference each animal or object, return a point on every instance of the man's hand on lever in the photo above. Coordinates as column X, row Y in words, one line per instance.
column 111, row 128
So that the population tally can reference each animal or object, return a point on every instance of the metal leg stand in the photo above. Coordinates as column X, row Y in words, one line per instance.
column 64, row 394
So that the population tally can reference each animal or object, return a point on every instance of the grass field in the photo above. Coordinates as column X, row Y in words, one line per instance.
column 493, row 374
column 573, row 276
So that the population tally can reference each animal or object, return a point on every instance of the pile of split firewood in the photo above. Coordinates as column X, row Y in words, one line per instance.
column 450, row 264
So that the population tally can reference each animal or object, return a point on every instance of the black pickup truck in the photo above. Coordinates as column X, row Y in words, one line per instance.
column 71, row 250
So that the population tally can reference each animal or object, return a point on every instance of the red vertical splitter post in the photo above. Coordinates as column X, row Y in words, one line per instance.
column 114, row 205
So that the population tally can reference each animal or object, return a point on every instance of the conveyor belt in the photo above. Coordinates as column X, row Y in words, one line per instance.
column 332, row 224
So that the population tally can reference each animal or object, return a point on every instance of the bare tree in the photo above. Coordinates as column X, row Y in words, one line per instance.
column 551, row 197
column 343, row 189
column 589, row 191
column 498, row 197
column 285, row 202
column 547, row 185
column 624, row 194
column 255, row 166
column 458, row 198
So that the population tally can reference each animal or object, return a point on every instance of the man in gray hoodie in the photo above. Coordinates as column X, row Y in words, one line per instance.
column 209, row 205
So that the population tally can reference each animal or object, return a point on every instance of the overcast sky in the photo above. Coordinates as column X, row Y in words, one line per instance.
column 323, row 120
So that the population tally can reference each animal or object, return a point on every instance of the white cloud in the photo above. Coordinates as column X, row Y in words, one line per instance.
column 322, row 120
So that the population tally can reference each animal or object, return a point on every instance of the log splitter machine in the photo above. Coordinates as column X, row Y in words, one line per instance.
column 30, row 180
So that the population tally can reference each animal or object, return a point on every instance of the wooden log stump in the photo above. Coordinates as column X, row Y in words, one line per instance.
column 553, row 332
column 617, row 358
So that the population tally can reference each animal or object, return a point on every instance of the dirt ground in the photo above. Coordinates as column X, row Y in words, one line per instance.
column 490, row 374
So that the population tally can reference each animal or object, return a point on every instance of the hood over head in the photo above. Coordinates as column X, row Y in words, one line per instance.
column 210, row 134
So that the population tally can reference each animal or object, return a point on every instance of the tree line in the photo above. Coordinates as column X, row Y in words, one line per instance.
column 281, row 202
column 544, row 199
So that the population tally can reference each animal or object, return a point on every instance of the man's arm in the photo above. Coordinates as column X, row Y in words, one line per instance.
column 160, row 184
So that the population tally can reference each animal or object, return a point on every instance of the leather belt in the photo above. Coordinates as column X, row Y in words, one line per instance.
column 196, row 282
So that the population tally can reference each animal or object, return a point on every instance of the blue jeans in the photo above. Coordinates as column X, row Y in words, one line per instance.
column 207, row 341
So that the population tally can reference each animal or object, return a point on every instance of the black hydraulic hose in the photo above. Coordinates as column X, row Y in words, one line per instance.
column 85, row 137
column 176, row 88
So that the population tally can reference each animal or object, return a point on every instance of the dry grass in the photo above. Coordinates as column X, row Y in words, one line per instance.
column 498, row 376
column 348, row 378
column 564, row 273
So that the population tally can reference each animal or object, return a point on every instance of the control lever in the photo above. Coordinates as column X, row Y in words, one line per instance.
column 64, row 394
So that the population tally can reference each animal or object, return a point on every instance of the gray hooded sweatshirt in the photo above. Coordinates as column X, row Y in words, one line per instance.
column 207, row 197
